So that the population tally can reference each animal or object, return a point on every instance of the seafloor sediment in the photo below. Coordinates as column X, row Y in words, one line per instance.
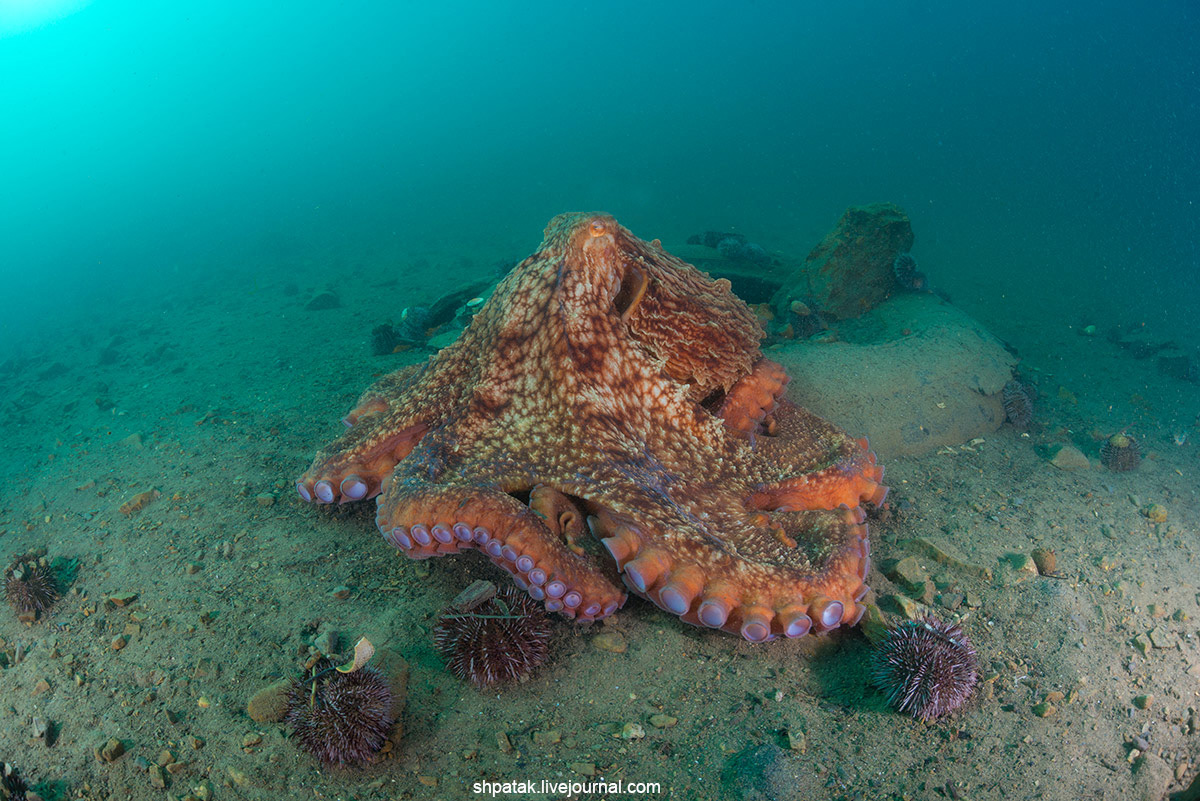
column 212, row 400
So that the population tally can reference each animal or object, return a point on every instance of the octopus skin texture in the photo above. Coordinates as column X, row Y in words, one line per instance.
column 605, row 423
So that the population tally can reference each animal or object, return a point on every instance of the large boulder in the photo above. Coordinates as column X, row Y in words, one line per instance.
column 851, row 270
column 913, row 375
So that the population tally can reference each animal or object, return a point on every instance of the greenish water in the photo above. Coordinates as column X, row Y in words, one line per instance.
column 1037, row 149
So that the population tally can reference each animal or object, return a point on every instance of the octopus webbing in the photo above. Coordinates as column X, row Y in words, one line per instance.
column 606, row 422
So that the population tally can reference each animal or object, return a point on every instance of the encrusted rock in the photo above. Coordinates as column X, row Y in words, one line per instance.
column 851, row 270
column 1068, row 457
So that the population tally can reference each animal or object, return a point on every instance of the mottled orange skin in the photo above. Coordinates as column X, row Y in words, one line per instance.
column 609, row 392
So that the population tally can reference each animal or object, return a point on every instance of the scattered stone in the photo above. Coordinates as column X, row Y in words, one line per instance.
column 326, row 642
column 901, row 605
column 1141, row 644
column 633, row 731
column 39, row 728
column 111, row 751
column 661, row 721
column 584, row 768
column 1068, row 457
column 157, row 779
column 797, row 740
column 973, row 600
column 269, row 705
column 165, row 757
column 139, row 502
column 1046, row 561
column 1155, row 513
column 225, row 549
column 123, row 598
column 1022, row 564
column 192, row 568
column 909, row 574
column 545, row 738
column 1161, row 637
column 1143, row 701
column 41, row 687
column 133, row 441
column 252, row 739
column 873, row 624
column 265, row 499
column 341, row 592
column 1044, row 709
column 944, row 555
column 118, row 642
column 611, row 641
column 503, row 743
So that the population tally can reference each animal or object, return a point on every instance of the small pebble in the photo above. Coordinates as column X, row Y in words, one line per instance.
column 264, row 499
column 118, row 642
column 1045, row 709
column 193, row 568
column 661, row 721
column 1143, row 701
column 611, row 641
column 633, row 731
column 341, row 592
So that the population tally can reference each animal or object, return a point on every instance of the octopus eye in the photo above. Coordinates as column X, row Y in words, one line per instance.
column 599, row 228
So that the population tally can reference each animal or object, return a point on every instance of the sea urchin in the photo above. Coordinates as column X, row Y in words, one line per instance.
column 501, row 638
column 1120, row 453
column 30, row 587
column 341, row 718
column 926, row 667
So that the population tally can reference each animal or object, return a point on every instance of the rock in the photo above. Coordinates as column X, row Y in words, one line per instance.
column 1161, row 637
column 1143, row 701
column 910, row 394
column 633, row 731
column 911, row 577
column 544, row 738
column 265, row 499
column 1155, row 513
column 1044, row 709
column 945, row 554
column 326, row 642
column 584, row 768
column 123, row 598
column 118, row 642
column 341, row 592
column 1022, row 564
column 1068, row 457
column 157, row 779
column 611, row 641
column 1151, row 778
column 269, row 705
column 111, row 751
column 851, row 270
column 661, row 721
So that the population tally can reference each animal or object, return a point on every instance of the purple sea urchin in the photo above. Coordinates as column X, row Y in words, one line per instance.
column 12, row 786
column 501, row 639
column 341, row 718
column 1120, row 453
column 926, row 667
column 1018, row 405
column 30, row 587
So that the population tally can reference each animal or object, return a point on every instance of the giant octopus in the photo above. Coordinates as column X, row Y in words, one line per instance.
column 610, row 394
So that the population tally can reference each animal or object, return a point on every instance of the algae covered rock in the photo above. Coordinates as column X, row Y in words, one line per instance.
column 851, row 271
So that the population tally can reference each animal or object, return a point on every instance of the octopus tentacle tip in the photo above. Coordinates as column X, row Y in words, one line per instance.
column 324, row 491
column 797, row 626
column 303, row 492
column 420, row 535
column 353, row 488
column 713, row 613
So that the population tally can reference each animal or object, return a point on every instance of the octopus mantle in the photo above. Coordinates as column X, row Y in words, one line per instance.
column 607, row 421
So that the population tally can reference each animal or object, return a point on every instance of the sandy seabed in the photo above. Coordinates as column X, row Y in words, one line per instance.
column 216, row 398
